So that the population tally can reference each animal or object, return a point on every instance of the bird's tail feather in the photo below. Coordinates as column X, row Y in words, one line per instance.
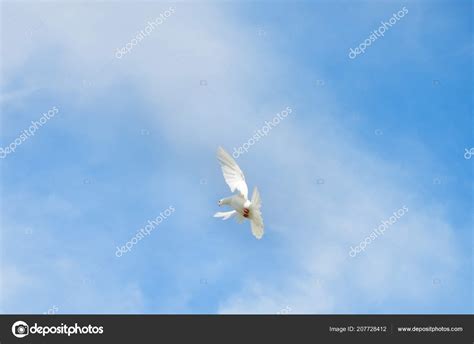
column 256, row 220
column 239, row 218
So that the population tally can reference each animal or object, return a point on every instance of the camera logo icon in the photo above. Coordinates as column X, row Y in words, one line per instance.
column 20, row 329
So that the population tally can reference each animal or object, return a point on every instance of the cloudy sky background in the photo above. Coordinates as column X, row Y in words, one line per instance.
column 135, row 135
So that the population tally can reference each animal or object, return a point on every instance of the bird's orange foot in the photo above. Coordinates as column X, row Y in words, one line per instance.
column 246, row 212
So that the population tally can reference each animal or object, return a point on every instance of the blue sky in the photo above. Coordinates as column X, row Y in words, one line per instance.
column 136, row 135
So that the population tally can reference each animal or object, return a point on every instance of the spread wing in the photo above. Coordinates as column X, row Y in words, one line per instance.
column 233, row 175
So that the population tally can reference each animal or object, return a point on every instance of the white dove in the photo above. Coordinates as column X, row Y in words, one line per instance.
column 243, row 208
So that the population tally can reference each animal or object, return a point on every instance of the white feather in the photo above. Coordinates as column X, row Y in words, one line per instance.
column 256, row 220
column 226, row 214
column 233, row 175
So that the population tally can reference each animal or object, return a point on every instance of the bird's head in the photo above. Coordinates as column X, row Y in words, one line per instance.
column 225, row 201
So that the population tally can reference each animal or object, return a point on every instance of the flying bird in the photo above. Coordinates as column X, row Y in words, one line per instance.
column 243, row 207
